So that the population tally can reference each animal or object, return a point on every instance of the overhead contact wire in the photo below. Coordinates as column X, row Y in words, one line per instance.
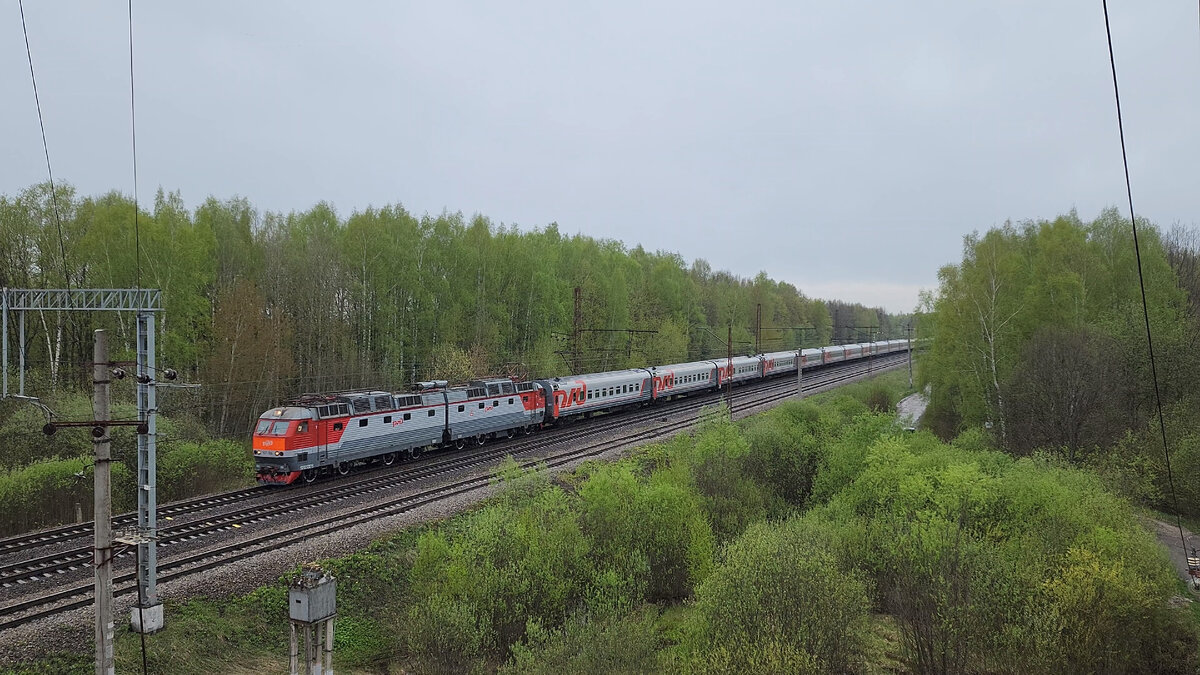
column 1162, row 426
column 62, row 247
column 137, row 238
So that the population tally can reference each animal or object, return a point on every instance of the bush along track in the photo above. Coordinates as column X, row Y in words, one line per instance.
column 816, row 537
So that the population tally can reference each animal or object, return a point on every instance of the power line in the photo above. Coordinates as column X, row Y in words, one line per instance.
column 62, row 248
column 1162, row 426
column 137, row 237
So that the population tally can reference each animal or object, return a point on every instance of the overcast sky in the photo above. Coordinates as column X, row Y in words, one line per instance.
column 845, row 147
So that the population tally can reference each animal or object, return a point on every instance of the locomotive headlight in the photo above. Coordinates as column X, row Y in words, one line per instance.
column 279, row 453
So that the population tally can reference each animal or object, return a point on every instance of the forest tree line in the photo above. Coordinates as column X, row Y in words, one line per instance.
column 260, row 306
column 1039, row 334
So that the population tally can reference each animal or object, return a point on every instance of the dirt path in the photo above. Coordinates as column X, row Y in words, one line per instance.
column 1168, row 534
column 910, row 409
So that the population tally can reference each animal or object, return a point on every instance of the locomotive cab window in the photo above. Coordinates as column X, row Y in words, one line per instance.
column 279, row 428
column 262, row 427
column 302, row 428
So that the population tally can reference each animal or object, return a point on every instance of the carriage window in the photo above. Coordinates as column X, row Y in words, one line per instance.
column 337, row 426
column 462, row 408
column 408, row 416
column 263, row 425
column 525, row 398
column 481, row 405
column 495, row 404
column 362, row 422
column 432, row 413
column 510, row 401
column 387, row 419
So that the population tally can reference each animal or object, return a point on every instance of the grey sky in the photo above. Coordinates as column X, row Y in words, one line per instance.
column 845, row 147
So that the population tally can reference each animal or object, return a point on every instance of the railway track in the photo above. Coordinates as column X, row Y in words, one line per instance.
column 168, row 512
column 53, row 565
column 361, row 481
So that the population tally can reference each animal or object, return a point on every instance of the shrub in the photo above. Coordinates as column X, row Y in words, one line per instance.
column 187, row 469
column 45, row 493
column 731, row 499
column 608, row 643
column 654, row 528
column 781, row 595
column 785, row 449
column 991, row 563
column 510, row 562
column 844, row 459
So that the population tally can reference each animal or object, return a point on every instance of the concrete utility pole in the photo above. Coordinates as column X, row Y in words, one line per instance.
column 800, row 373
column 758, row 329
column 102, row 556
column 870, row 350
column 729, row 372
column 577, row 330
column 908, row 329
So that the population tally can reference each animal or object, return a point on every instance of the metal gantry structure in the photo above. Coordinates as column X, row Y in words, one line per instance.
column 145, row 303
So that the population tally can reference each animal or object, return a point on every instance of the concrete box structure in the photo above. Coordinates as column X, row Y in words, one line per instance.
column 311, row 603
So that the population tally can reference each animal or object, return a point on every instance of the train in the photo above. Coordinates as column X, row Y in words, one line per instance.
column 318, row 434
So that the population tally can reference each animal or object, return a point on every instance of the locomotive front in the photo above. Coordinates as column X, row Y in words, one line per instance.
column 283, row 438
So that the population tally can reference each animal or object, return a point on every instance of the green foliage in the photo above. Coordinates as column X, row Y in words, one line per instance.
column 786, row 447
column 990, row 563
column 360, row 641
column 910, row 553
column 45, row 493
column 1075, row 284
column 42, row 478
column 590, row 644
column 731, row 498
column 511, row 562
column 186, row 469
column 262, row 305
column 198, row 637
column 57, row 664
column 782, row 595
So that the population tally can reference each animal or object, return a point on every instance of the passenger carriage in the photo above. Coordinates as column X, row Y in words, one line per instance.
column 777, row 363
column 812, row 357
column 587, row 394
column 739, row 369
column 682, row 378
